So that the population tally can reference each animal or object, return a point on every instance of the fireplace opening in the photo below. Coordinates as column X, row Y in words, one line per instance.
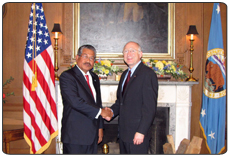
column 110, row 137
column 159, row 132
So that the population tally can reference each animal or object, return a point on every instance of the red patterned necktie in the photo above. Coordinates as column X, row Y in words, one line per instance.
column 87, row 78
column 126, row 81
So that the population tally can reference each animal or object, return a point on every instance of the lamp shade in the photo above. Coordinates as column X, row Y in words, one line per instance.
column 56, row 28
column 192, row 30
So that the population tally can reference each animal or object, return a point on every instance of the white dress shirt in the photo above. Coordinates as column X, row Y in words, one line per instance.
column 92, row 88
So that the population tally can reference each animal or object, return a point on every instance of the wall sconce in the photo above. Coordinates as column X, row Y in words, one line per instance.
column 56, row 30
column 191, row 31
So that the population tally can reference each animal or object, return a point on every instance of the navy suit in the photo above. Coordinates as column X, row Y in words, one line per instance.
column 79, row 125
column 137, row 107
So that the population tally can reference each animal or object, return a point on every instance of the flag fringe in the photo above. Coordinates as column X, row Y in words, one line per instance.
column 206, row 140
column 28, row 142
column 222, row 150
column 42, row 149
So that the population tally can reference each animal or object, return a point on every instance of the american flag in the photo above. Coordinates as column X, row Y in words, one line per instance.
column 39, row 113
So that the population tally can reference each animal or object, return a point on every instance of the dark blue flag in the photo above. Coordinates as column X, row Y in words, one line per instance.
column 213, row 110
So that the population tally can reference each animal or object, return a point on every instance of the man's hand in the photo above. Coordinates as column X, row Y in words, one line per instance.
column 107, row 113
column 138, row 138
column 100, row 136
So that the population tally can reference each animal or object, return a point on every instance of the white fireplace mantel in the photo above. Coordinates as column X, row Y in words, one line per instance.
column 172, row 94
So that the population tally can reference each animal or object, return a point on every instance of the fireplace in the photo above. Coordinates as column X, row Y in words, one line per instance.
column 173, row 96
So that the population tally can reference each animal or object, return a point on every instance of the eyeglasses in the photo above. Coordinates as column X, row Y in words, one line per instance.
column 86, row 57
column 132, row 51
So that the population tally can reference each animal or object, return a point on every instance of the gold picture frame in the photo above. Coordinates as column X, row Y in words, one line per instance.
column 169, row 55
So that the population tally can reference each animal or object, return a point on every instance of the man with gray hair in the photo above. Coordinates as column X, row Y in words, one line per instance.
column 136, row 102
column 82, row 123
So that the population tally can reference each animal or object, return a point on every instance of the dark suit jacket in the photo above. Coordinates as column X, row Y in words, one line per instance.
column 79, row 125
column 137, row 107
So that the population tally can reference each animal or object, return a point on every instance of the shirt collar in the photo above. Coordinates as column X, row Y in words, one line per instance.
column 83, row 73
column 134, row 68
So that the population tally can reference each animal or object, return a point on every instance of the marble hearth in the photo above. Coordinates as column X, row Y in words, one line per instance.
column 172, row 94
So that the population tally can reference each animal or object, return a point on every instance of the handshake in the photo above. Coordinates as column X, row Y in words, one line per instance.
column 107, row 113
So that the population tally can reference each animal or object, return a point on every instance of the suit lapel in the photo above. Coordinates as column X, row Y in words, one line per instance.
column 94, row 80
column 121, row 82
column 123, row 76
column 135, row 74
column 82, row 80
